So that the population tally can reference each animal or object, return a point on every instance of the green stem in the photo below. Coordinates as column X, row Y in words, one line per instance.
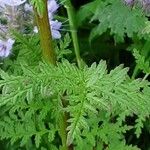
column 135, row 72
column 145, row 77
column 62, row 131
column 48, row 52
column 73, row 28
column 49, row 55
column 64, row 116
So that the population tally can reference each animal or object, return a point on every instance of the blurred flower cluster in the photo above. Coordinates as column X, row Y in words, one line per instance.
column 9, row 12
column 11, row 2
column 145, row 4
column 18, row 15
column 129, row 2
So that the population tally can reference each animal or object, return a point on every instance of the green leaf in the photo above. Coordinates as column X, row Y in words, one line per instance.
column 142, row 63
column 37, row 140
column 39, row 5
column 113, row 16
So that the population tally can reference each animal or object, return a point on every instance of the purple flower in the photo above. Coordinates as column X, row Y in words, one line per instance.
column 55, row 27
column 52, row 7
column 5, row 47
column 11, row 2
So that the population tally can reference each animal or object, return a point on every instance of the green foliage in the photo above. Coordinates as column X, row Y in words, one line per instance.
column 62, row 48
column 39, row 5
column 32, row 105
column 142, row 64
column 43, row 106
column 27, row 50
column 115, row 16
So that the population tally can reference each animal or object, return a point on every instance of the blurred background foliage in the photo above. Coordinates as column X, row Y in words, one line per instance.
column 115, row 51
column 112, row 39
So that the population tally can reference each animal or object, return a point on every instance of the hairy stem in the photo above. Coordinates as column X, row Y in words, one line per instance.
column 49, row 55
column 63, row 127
column 43, row 24
column 71, row 17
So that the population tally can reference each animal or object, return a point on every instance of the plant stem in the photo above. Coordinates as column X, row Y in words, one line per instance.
column 62, row 131
column 145, row 77
column 49, row 55
column 73, row 28
column 135, row 72
column 63, row 127
column 43, row 24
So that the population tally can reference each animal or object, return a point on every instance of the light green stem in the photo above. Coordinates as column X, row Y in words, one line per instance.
column 42, row 21
column 145, row 76
column 135, row 72
column 73, row 28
